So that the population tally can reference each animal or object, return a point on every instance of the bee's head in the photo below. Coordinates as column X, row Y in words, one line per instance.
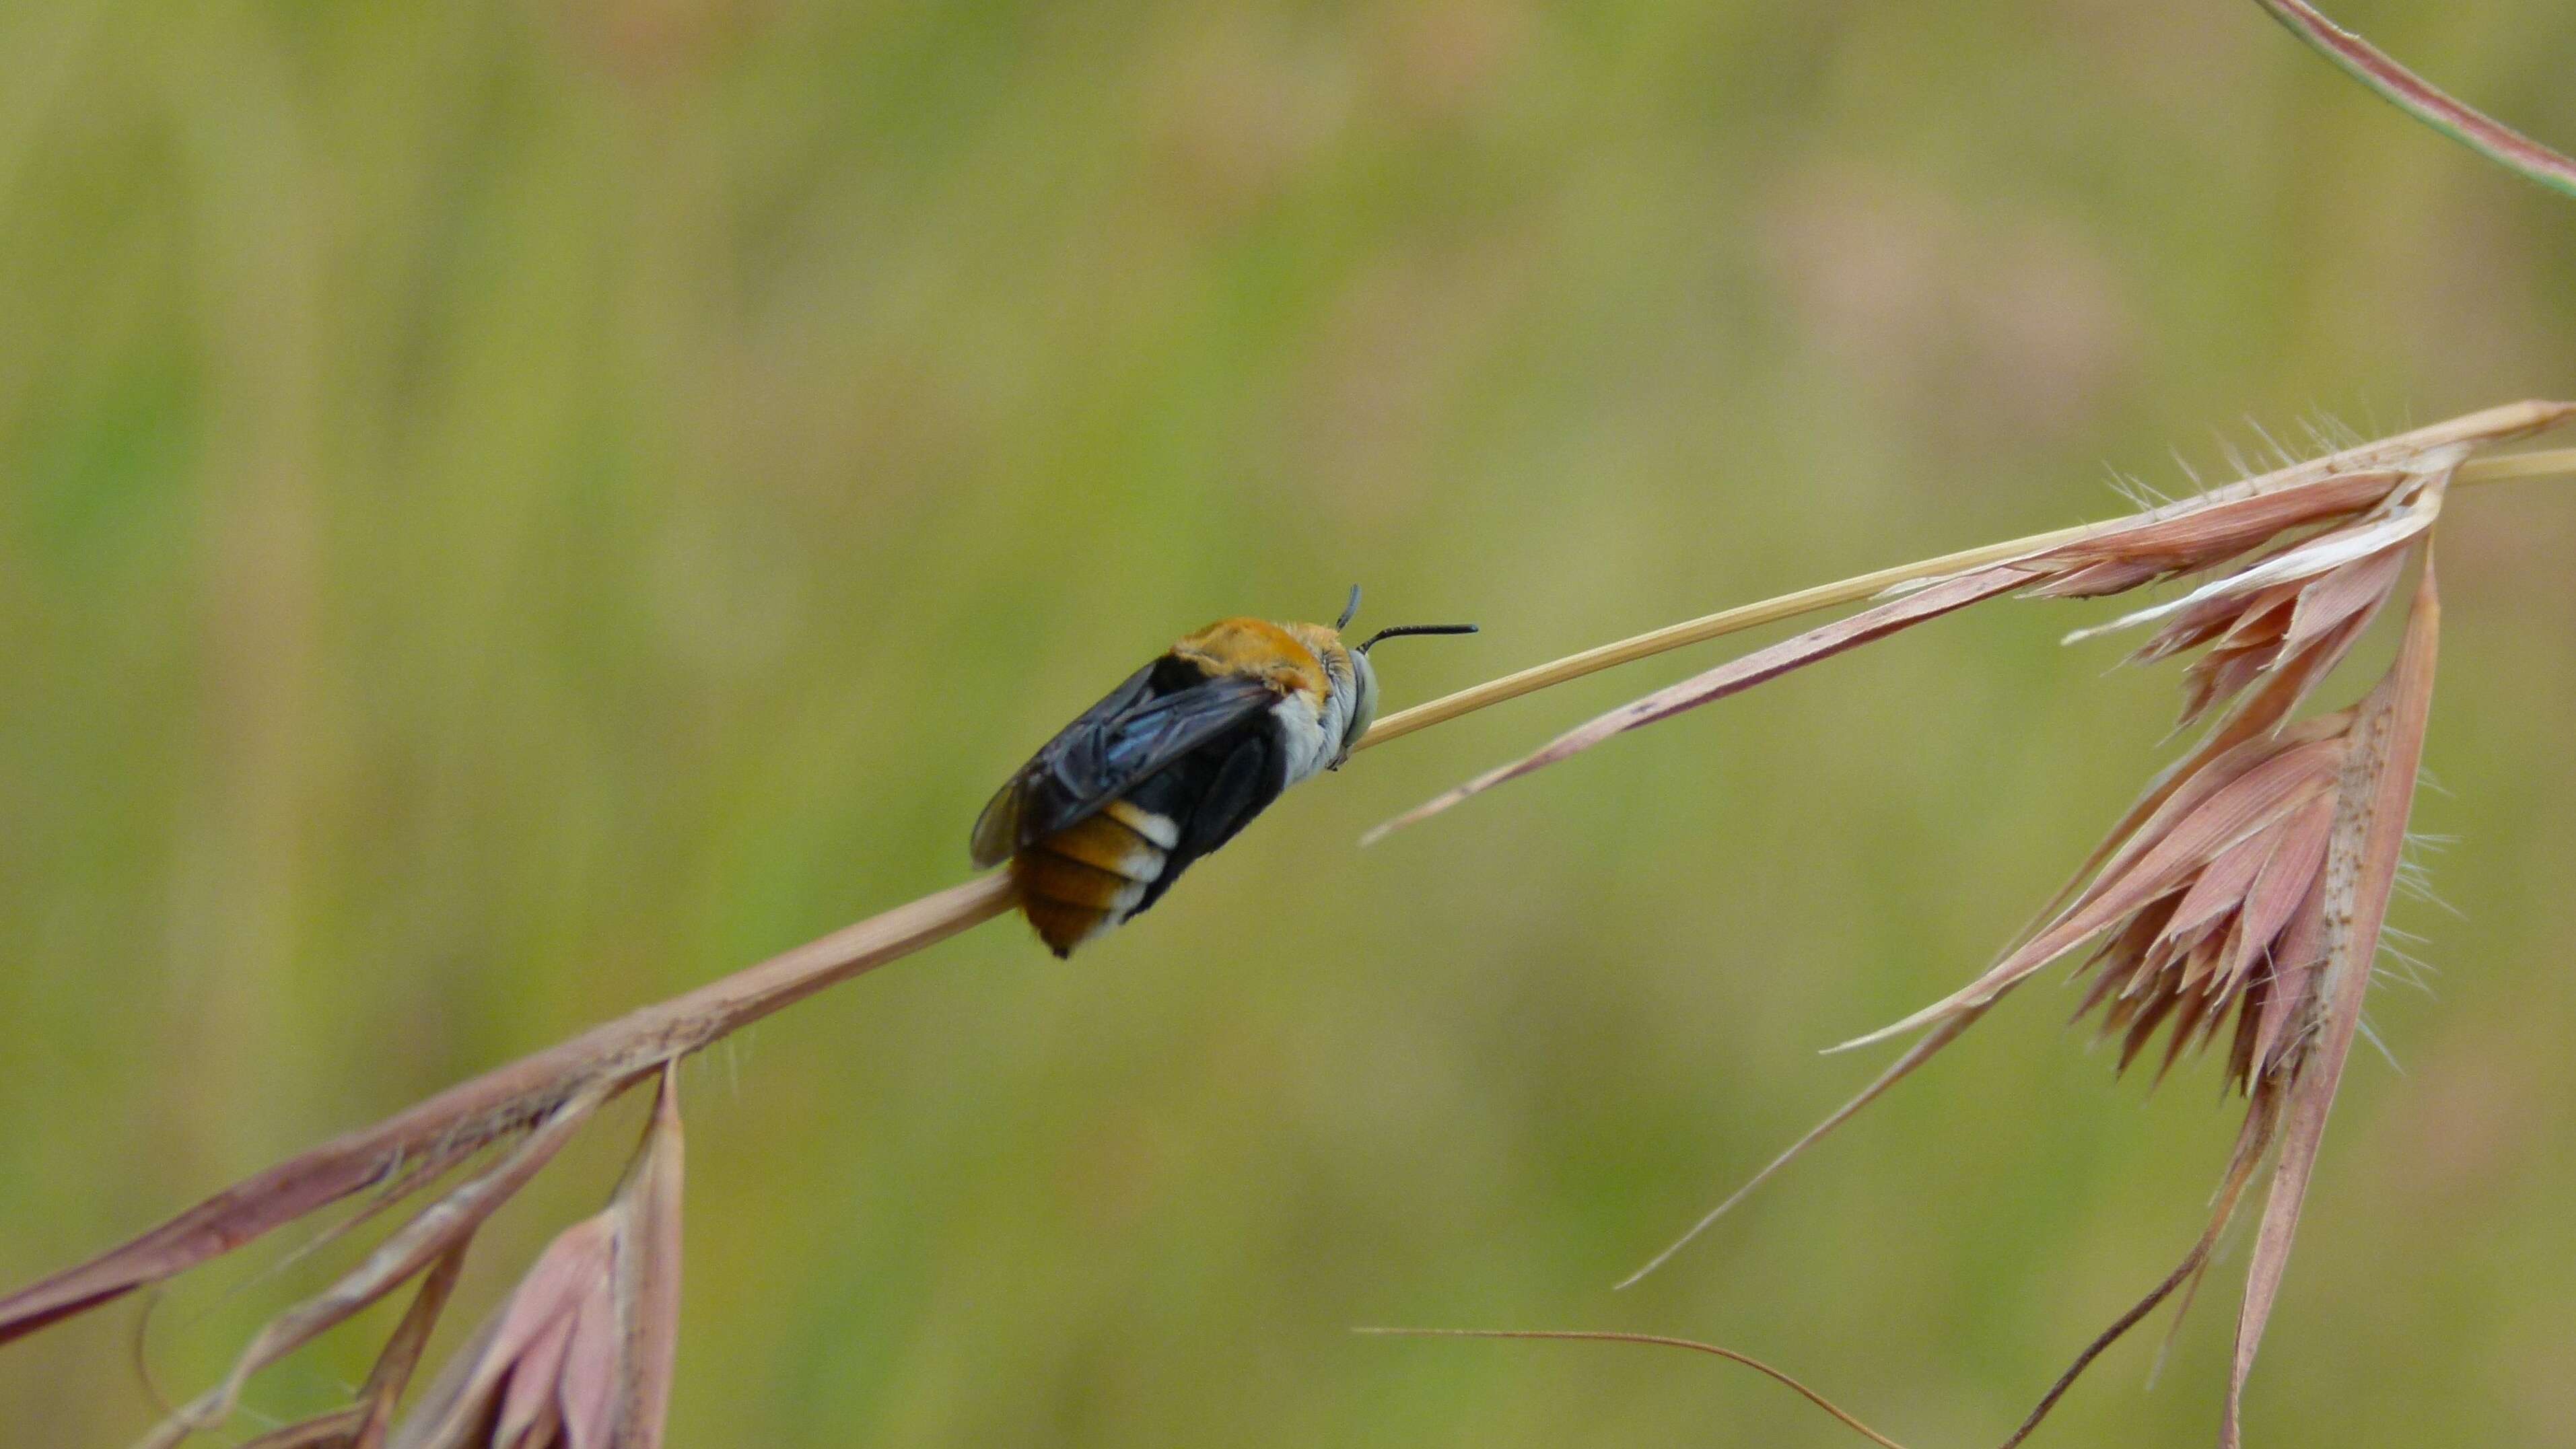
column 1363, row 685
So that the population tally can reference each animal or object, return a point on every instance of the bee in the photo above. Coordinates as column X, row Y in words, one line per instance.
column 1101, row 821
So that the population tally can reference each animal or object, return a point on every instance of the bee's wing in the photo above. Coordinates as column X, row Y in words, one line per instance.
column 1145, row 724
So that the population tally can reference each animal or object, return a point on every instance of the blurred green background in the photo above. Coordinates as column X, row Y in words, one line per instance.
column 509, row 510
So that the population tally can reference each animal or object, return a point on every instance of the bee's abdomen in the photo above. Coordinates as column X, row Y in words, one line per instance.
column 1092, row 875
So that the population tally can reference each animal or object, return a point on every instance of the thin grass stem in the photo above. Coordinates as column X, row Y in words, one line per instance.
column 1658, row 1340
column 2425, row 101
column 2549, row 463
column 1692, row 631
column 2559, row 462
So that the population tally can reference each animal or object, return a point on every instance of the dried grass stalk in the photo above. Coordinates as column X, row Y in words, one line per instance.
column 500, row 1104
column 616, row 1388
column 2249, row 884
column 2296, row 1016
column 2491, row 425
column 2202, row 870
column 444, row 1227
column 363, row 1424
column 1656, row 1340
column 2368, row 498
column 2206, row 886
column 2385, row 750
column 581, row 1353
column 2423, row 100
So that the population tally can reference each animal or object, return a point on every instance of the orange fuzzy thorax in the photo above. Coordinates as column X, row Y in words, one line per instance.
column 1262, row 649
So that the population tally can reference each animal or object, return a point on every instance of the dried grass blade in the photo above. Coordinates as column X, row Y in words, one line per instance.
column 440, row 1227
column 2194, row 534
column 528, row 1401
column 585, row 1343
column 2187, row 780
column 2244, row 805
column 648, row 1275
column 2294, row 978
column 2252, row 1141
column 2274, row 898
column 2327, row 551
column 1915, row 1055
column 2552, row 463
column 2337, row 597
column 2498, row 424
column 335, row 1430
column 500, row 1102
column 586, row 1390
column 393, row 1370
column 403, row 1179
column 2220, row 888
column 214, row 1227
column 2424, row 101
column 1736, row 675
column 2361, row 873
column 1571, row 1335
column 505, row 1372
column 2199, row 528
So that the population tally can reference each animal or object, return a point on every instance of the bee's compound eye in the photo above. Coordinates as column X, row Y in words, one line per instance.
column 1363, row 705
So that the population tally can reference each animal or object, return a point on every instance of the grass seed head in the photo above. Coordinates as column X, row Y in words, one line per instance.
column 580, row 1356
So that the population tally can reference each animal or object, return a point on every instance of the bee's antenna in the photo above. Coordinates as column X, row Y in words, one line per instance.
column 1400, row 630
column 1350, row 611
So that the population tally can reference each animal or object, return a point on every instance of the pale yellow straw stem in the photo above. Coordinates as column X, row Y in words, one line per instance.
column 2556, row 461
column 2512, row 420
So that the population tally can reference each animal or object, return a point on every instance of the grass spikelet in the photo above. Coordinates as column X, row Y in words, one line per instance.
column 363, row 1425
column 2367, row 844
column 2249, row 885
column 581, row 1352
column 441, row 1229
column 2246, row 885
column 2362, row 501
column 498, row 1105
column 529, row 1108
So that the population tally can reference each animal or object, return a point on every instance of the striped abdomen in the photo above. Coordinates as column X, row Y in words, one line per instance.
column 1092, row 875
